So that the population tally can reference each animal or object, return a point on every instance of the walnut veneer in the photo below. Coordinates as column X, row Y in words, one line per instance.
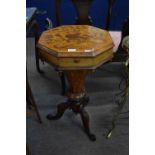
column 75, row 50
column 75, row 47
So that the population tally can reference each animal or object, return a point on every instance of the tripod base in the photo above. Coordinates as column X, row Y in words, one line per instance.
column 78, row 108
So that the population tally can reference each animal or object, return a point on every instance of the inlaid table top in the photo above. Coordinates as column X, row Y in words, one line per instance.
column 76, row 41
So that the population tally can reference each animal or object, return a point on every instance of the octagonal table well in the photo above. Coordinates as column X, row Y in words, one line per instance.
column 76, row 47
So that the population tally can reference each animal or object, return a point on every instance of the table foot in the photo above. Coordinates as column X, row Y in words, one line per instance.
column 85, row 119
column 79, row 108
column 60, row 111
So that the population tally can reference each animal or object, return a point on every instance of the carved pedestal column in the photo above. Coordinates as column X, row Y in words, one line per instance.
column 76, row 80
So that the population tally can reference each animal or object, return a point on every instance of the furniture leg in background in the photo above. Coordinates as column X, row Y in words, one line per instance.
column 30, row 101
column 32, row 25
column 109, row 14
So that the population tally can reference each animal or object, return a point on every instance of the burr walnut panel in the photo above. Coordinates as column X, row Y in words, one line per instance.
column 68, row 63
column 75, row 46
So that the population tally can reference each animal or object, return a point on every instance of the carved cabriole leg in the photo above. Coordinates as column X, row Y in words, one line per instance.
column 60, row 111
column 85, row 119
column 78, row 98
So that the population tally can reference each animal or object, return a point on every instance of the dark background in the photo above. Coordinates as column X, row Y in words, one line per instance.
column 98, row 12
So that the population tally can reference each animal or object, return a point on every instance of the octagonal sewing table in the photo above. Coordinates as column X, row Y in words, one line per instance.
column 75, row 50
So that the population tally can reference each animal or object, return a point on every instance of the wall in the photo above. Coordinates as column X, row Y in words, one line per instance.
column 97, row 12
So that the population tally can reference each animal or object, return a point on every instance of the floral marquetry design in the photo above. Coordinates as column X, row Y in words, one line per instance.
column 89, row 44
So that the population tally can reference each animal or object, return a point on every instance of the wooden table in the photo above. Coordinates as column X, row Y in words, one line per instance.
column 76, row 50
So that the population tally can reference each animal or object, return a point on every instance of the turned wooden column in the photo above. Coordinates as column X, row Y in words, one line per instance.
column 76, row 80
